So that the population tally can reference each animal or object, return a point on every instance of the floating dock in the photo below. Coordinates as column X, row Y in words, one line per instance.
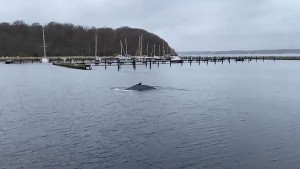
column 81, row 66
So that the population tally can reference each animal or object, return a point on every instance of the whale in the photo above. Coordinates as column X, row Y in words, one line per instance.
column 140, row 87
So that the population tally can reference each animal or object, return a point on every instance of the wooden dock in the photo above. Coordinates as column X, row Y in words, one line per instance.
column 20, row 60
column 149, row 62
column 86, row 63
column 73, row 65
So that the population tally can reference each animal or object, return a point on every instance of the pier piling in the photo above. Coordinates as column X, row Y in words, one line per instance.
column 134, row 64
column 119, row 64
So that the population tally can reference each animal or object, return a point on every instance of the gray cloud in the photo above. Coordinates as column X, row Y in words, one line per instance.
column 185, row 24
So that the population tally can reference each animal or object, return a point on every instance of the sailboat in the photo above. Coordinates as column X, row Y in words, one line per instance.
column 97, row 59
column 163, row 53
column 139, row 55
column 121, row 57
column 154, row 53
column 44, row 58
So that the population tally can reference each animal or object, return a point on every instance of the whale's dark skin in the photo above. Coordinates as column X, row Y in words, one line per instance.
column 140, row 87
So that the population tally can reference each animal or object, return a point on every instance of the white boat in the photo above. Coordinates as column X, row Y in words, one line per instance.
column 176, row 59
column 156, row 57
column 44, row 58
column 124, row 58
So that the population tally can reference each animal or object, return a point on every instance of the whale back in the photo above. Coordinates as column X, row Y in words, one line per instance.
column 140, row 87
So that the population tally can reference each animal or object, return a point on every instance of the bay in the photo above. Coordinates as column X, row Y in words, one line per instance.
column 238, row 115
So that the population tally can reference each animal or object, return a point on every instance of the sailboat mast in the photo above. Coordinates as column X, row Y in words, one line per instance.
column 159, row 50
column 126, row 47
column 163, row 48
column 44, row 43
column 121, row 52
column 96, row 41
column 154, row 50
column 147, row 48
column 141, row 45
column 138, row 47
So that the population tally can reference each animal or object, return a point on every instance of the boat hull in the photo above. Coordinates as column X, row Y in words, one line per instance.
column 8, row 62
column 45, row 60
column 176, row 61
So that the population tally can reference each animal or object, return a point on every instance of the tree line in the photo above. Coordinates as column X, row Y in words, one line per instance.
column 65, row 39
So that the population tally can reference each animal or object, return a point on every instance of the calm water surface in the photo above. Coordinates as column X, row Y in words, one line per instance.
column 244, row 115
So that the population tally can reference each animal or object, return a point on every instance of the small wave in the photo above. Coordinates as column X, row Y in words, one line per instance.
column 170, row 88
column 118, row 88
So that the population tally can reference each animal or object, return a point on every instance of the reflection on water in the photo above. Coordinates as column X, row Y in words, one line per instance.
column 243, row 115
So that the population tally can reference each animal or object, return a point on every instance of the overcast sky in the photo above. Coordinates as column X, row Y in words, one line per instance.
column 185, row 24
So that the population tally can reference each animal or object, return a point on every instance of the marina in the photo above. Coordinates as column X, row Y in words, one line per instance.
column 86, row 63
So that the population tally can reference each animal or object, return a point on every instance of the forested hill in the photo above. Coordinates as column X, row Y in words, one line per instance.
column 20, row 39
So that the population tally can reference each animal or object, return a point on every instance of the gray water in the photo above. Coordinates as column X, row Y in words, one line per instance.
column 244, row 115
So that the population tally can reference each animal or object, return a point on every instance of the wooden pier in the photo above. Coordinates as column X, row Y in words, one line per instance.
column 86, row 63
column 21, row 60
column 149, row 62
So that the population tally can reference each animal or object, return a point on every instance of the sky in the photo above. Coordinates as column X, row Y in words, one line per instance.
column 187, row 25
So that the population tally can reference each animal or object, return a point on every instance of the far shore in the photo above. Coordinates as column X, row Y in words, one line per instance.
column 116, row 59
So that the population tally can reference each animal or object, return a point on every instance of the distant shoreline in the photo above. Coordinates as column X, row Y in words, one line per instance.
column 278, row 52
column 185, row 58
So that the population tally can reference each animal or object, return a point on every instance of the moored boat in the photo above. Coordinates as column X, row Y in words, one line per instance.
column 176, row 59
column 239, row 59
column 44, row 58
column 8, row 61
